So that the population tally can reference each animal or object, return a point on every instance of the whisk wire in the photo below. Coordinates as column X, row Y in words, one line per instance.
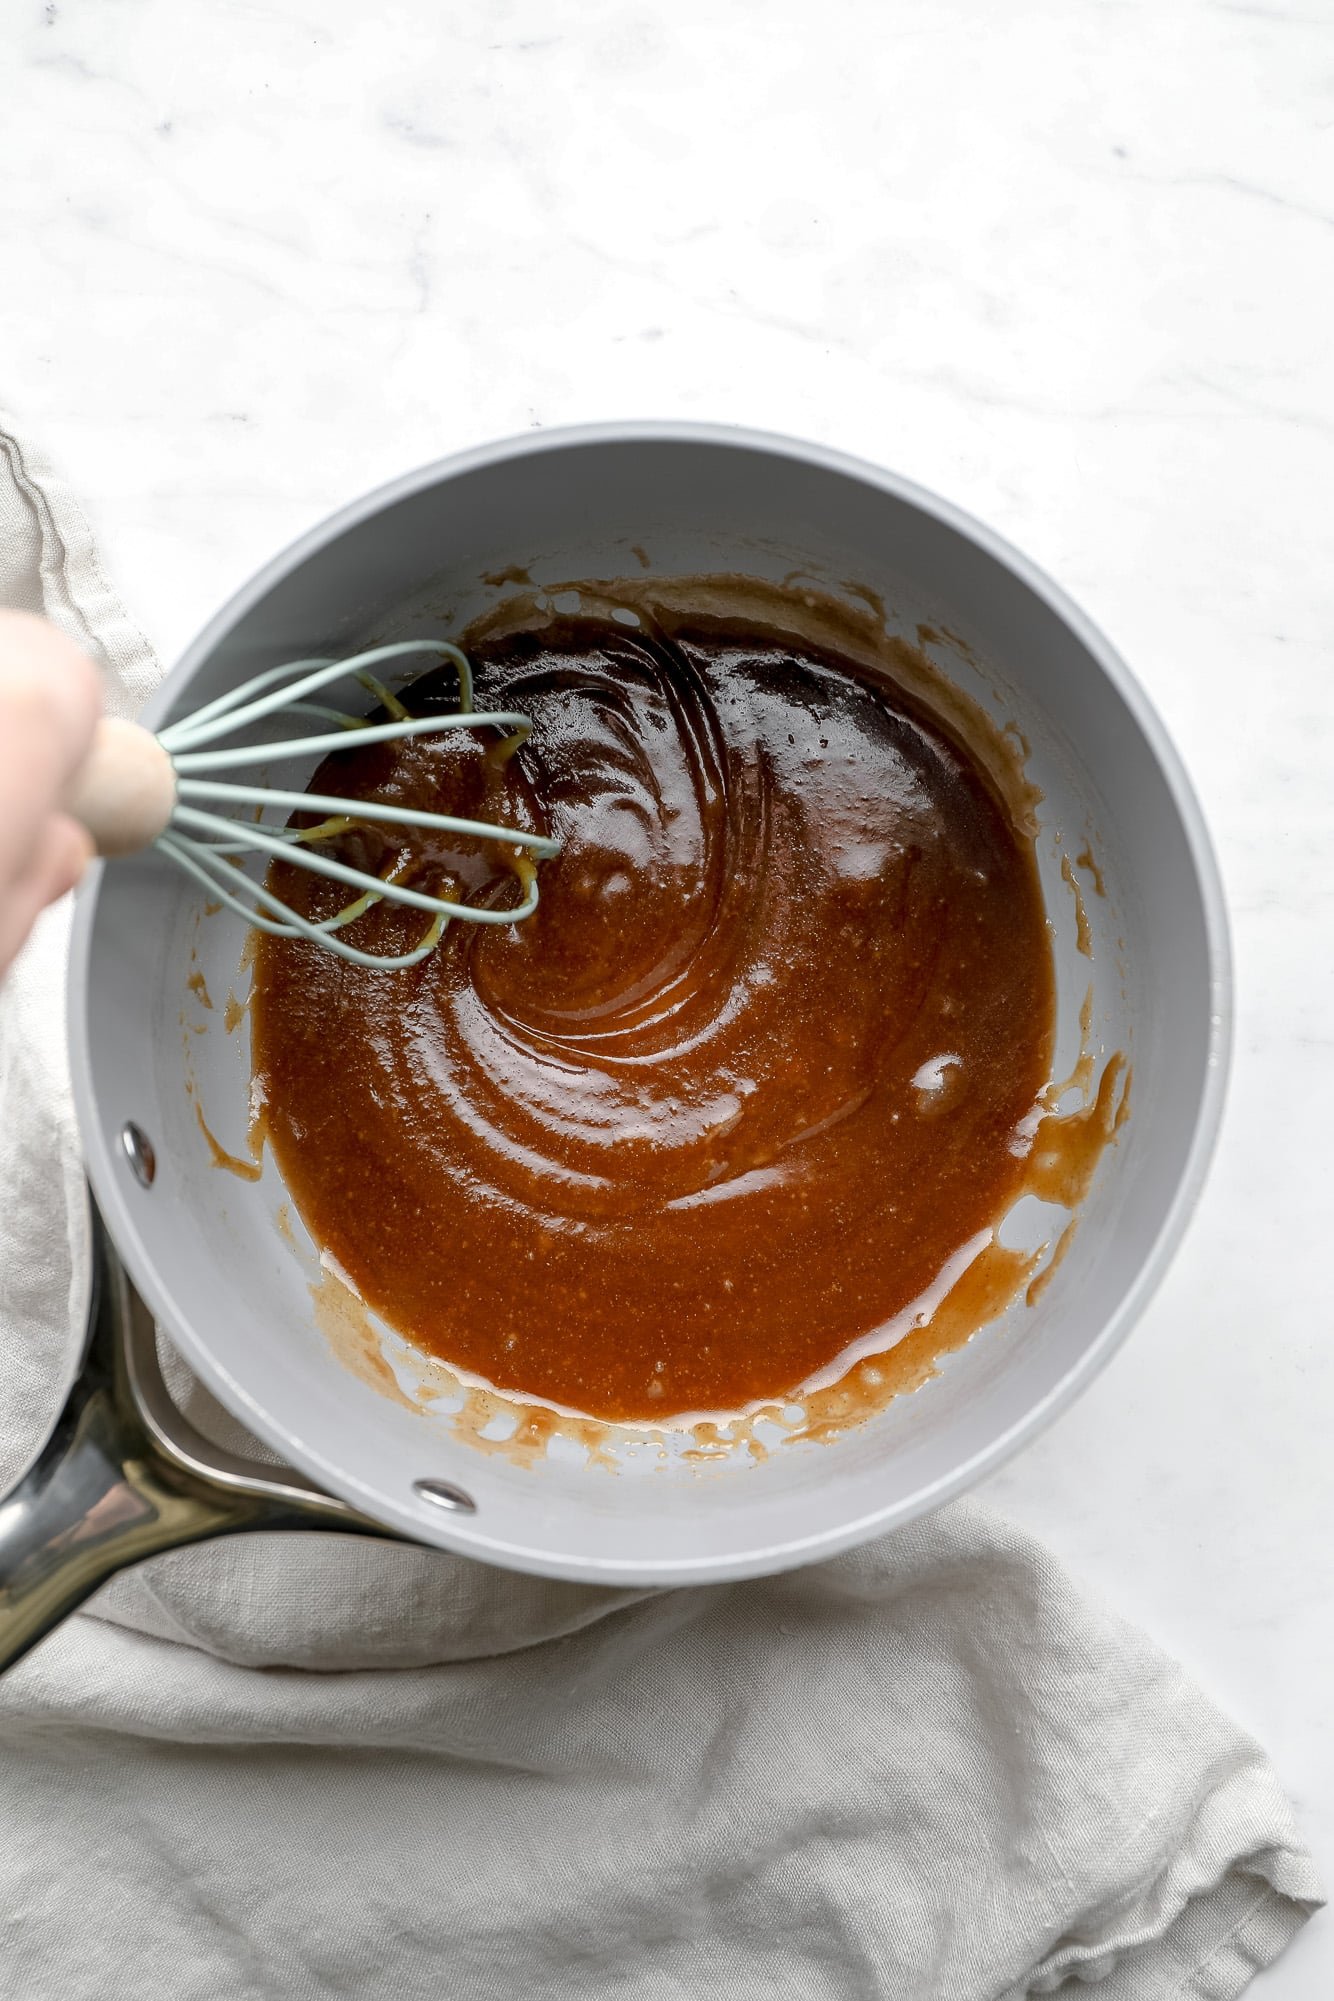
column 267, row 753
column 236, row 711
column 208, row 846
column 182, row 732
column 358, row 810
column 394, row 892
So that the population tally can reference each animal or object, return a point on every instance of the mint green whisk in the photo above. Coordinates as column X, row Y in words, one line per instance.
column 138, row 790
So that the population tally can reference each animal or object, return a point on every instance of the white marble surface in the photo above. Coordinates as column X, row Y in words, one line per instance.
column 1070, row 262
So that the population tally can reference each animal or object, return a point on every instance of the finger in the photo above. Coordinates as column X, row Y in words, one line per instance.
column 67, row 851
column 49, row 703
column 36, row 655
column 63, row 853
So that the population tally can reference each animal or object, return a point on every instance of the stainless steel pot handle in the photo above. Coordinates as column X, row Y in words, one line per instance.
column 124, row 1476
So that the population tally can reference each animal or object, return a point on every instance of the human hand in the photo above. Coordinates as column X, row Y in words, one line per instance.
column 50, row 699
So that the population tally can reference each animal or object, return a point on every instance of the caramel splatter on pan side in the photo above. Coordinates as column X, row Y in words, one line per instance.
column 354, row 1339
column 244, row 1170
column 1083, row 933
column 1084, row 859
column 346, row 1326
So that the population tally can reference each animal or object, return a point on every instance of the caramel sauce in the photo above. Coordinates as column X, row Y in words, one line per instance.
column 722, row 1138
column 525, row 1429
column 245, row 1170
column 342, row 1319
column 1084, row 859
column 1067, row 1146
column 1083, row 931
column 1081, row 1075
column 1044, row 1278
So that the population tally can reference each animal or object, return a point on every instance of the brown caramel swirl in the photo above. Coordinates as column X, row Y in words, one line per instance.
column 745, row 1090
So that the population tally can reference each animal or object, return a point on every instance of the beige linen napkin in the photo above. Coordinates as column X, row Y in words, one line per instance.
column 303, row 1766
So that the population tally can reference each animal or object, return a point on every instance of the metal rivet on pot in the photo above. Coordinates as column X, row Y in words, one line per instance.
column 138, row 1150
column 445, row 1496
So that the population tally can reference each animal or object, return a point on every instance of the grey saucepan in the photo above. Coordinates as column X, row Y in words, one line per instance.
column 123, row 1476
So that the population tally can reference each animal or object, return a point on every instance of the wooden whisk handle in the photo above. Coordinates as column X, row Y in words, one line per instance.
column 126, row 790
